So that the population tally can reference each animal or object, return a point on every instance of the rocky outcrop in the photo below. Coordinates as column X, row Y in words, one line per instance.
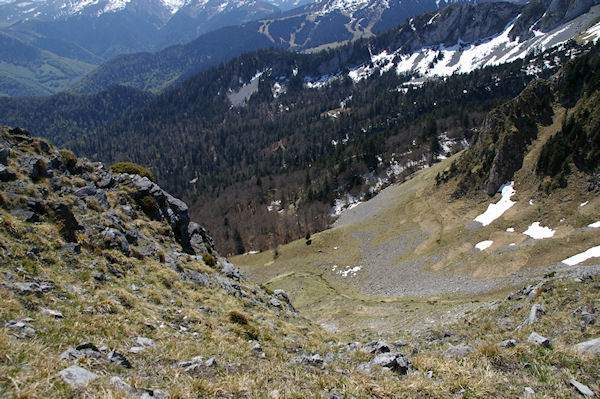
column 501, row 145
column 103, row 212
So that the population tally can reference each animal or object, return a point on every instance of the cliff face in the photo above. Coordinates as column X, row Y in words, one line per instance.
column 503, row 140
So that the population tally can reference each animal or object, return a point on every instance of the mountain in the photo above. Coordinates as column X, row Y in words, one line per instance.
column 108, row 289
column 26, row 70
column 291, row 139
column 314, row 26
column 109, row 28
column 474, row 273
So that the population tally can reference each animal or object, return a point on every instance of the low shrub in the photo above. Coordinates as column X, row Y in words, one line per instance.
column 209, row 259
column 132, row 169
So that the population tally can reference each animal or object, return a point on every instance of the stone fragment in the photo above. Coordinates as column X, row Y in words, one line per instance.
column 21, row 329
column 119, row 358
column 508, row 343
column 392, row 360
column 314, row 360
column 53, row 313
column 533, row 317
column 538, row 339
column 377, row 346
column 143, row 341
column 583, row 389
column 122, row 385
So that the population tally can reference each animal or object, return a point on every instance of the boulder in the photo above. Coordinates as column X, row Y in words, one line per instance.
column 4, row 154
column 106, row 181
column 119, row 358
column 36, row 167
column 113, row 238
column 392, row 360
column 171, row 209
column 533, row 317
column 21, row 329
column 508, row 343
column 7, row 174
column 377, row 347
column 26, row 214
column 66, row 220
column 592, row 346
column 197, row 277
column 313, row 360
column 460, row 350
column 77, row 377
column 52, row 313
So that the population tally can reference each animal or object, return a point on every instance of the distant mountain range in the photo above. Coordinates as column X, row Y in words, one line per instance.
column 315, row 26
column 95, row 31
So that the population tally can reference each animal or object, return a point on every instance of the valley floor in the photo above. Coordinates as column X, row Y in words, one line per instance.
column 407, row 258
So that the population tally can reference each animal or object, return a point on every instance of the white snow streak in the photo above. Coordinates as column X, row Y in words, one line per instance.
column 496, row 210
column 593, row 252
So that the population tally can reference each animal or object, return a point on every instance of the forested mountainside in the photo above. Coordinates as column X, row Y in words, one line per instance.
column 500, row 148
column 26, row 70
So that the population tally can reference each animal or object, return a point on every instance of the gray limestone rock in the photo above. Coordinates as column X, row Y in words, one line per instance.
column 119, row 358
column 533, row 317
column 77, row 377
column 592, row 346
column 391, row 360
column 197, row 277
column 583, row 389
column 313, row 360
column 460, row 350
column 4, row 154
column 508, row 343
column 50, row 312
column 113, row 238
column 21, row 329
column 377, row 346
column 6, row 174
column 538, row 339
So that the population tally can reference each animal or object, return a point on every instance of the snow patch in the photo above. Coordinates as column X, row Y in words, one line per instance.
column 494, row 211
column 510, row 230
column 275, row 206
column 584, row 204
column 593, row 252
column 595, row 225
column 538, row 232
column 484, row 245
column 350, row 271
